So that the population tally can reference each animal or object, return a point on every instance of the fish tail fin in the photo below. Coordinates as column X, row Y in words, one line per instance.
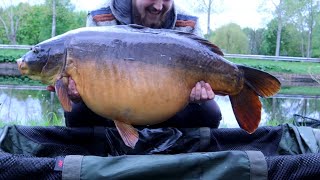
column 246, row 105
column 247, row 109
column 263, row 83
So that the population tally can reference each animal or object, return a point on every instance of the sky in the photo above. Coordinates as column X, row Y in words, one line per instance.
column 242, row 12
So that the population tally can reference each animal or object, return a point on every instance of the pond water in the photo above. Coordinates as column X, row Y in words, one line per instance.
column 40, row 107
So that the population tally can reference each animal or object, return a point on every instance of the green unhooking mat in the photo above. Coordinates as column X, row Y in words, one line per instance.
column 283, row 152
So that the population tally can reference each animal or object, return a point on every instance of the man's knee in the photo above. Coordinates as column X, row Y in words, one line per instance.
column 212, row 113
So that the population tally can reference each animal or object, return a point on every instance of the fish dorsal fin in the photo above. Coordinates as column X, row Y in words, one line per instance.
column 202, row 41
column 214, row 48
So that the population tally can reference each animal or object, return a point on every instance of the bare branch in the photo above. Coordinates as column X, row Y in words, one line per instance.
column 275, row 5
column 5, row 27
column 204, row 2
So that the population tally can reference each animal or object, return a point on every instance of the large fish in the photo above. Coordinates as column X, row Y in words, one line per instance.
column 141, row 76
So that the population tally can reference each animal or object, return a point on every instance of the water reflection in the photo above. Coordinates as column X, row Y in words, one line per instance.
column 280, row 109
column 29, row 107
column 40, row 107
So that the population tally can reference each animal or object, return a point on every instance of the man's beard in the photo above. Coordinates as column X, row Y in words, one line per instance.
column 142, row 19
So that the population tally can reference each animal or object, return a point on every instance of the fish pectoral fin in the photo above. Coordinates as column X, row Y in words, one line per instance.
column 247, row 109
column 128, row 133
column 61, row 87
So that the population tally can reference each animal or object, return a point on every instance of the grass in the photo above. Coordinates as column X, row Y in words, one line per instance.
column 300, row 90
column 280, row 66
column 50, row 119
column 274, row 122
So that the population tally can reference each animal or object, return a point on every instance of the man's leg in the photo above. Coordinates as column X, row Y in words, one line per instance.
column 207, row 114
column 82, row 116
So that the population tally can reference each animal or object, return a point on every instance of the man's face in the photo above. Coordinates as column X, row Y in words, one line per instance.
column 152, row 12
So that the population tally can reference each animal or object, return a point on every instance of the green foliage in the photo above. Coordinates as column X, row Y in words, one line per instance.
column 36, row 21
column 18, row 80
column 51, row 108
column 300, row 90
column 255, row 38
column 291, row 44
column 10, row 55
column 290, row 41
column 3, row 39
column 316, row 37
column 268, row 46
column 275, row 122
column 231, row 39
column 32, row 26
column 10, row 20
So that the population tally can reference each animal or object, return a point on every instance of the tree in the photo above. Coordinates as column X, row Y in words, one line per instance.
column 255, row 38
column 37, row 22
column 54, row 15
column 304, row 19
column 207, row 4
column 284, row 9
column 231, row 39
column 313, row 10
column 280, row 16
column 289, row 40
column 10, row 17
column 32, row 26
column 316, row 35
column 204, row 6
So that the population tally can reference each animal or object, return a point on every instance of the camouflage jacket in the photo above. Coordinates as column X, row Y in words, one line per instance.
column 119, row 12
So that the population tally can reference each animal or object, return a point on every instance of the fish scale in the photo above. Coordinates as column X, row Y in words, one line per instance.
column 141, row 76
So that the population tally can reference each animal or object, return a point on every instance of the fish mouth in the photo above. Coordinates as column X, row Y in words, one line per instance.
column 22, row 66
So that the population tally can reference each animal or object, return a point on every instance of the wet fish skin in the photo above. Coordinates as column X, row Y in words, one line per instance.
column 140, row 76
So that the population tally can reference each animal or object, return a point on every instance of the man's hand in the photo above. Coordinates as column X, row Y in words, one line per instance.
column 201, row 92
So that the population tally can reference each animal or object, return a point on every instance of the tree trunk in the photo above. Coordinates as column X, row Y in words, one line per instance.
column 54, row 14
column 310, row 29
column 12, row 28
column 279, row 11
column 279, row 37
column 209, row 15
column 302, row 45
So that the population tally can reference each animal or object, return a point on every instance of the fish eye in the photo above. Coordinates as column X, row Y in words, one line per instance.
column 35, row 49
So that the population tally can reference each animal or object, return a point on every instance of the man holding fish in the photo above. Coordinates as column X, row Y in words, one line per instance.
column 202, row 109
column 140, row 76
